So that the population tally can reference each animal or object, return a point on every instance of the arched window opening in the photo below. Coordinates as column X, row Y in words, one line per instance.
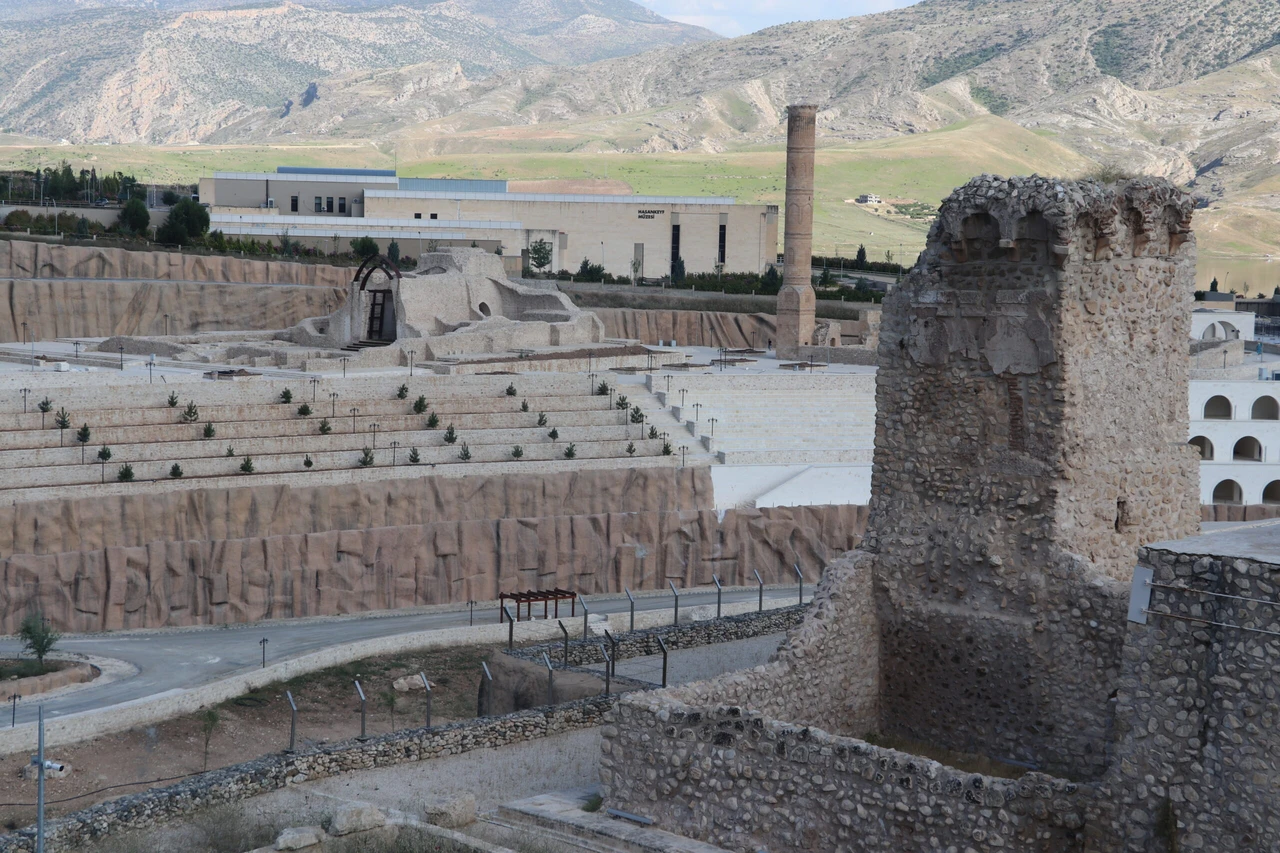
column 1205, row 446
column 1271, row 494
column 1247, row 449
column 1217, row 409
column 1227, row 492
column 1266, row 408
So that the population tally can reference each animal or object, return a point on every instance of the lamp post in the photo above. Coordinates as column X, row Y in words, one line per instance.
column 713, row 427
column 374, row 429
column 412, row 353
column 697, row 412
column 263, row 642
column 591, row 379
column 683, row 391
column 344, row 366
column 333, row 404
column 121, row 348
column 77, row 345
column 166, row 325
column 314, row 384
column 25, row 392
column 24, row 331
column 354, row 412
column 394, row 445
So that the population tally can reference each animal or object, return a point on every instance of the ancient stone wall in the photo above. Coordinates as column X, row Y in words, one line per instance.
column 217, row 556
column 1197, row 763
column 1030, row 434
column 689, row 328
column 279, row 770
column 764, row 784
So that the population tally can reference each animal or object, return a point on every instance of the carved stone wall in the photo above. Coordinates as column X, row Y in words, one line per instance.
column 1030, row 434
column 221, row 556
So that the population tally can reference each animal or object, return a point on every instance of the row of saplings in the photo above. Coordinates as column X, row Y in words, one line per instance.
column 191, row 415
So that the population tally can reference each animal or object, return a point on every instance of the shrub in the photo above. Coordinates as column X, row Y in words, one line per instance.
column 176, row 471
column 602, row 390
column 246, row 467
column 631, row 448
column 190, row 414
column 588, row 271
column 540, row 254
column 420, row 405
column 187, row 223
column 325, row 426
column 524, row 405
column 104, row 454
column 286, row 396
column 450, row 434
column 402, row 392
column 364, row 247
column 517, row 452
column 653, row 431
column 465, row 453
column 45, row 406
column 571, row 451
column 37, row 635
column 433, row 421
column 554, row 435
column 666, row 448
column 542, row 418
column 511, row 390
column 82, row 436
column 304, row 410
column 637, row 415
column 621, row 402
column 172, row 399
column 306, row 461
column 126, row 473
column 209, row 431
column 134, row 216
column 231, row 451
column 366, row 458
column 414, row 456
column 393, row 252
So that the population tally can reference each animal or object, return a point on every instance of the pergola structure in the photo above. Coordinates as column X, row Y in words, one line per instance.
column 532, row 597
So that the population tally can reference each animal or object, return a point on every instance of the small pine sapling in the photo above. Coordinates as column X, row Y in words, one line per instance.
column 209, row 431
column 366, row 458
column 246, row 467
column 517, row 452
column 325, row 426
column 37, row 635
column 402, row 392
column 511, row 390
column 637, row 415
column 631, row 448
column 554, row 435
column 82, row 436
column 542, row 418
column 602, row 390
column 524, row 405
column 62, row 421
column 176, row 471
column 420, row 405
column 172, row 399
column 304, row 411
column 450, row 434
column 231, row 451
column 653, row 431
column 666, row 448
column 414, row 456
column 465, row 454
column 306, row 461
column 621, row 402
column 286, row 396
column 571, row 451
column 126, row 473
column 433, row 421
column 45, row 406
column 191, row 413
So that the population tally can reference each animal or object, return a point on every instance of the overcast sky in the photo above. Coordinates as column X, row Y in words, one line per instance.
column 738, row 17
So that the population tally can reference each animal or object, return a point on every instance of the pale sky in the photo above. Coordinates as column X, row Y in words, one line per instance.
column 738, row 17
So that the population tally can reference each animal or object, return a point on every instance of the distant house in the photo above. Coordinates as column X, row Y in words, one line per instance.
column 869, row 198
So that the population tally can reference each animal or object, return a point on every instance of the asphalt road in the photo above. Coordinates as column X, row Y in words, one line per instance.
column 179, row 659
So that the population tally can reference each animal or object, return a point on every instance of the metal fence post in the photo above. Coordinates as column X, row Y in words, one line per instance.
column 613, row 650
column 364, row 713
column 796, row 566
column 511, row 630
column 40, row 782
column 676, row 619
column 551, row 680
column 427, row 685
column 488, row 689
column 760, row 581
column 565, row 631
column 663, row 646
column 719, row 590
column 586, row 616
column 293, row 722
column 632, row 599
column 608, row 664
column 471, row 620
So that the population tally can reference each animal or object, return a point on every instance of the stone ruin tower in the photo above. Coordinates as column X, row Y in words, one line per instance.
column 1031, row 433
column 796, row 300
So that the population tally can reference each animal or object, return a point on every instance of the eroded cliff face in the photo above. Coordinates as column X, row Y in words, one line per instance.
column 237, row 555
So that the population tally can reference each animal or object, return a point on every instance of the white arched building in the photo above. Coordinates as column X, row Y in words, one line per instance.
column 1236, row 426
column 1208, row 324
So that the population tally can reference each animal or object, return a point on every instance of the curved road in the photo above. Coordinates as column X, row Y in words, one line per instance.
column 182, row 658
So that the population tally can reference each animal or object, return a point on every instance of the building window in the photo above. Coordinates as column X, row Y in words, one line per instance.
column 675, row 247
column 1247, row 449
column 1227, row 492
column 1205, row 446
column 435, row 216
column 417, row 216
column 1266, row 409
column 319, row 205
column 723, row 229
column 1217, row 409
column 342, row 204
column 328, row 204
column 293, row 204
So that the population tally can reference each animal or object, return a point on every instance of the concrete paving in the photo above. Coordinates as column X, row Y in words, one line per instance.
column 168, row 661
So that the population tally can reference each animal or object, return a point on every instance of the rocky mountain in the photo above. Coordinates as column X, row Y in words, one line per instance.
column 181, row 70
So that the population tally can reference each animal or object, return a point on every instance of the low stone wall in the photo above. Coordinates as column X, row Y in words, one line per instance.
column 76, row 673
column 642, row 643
column 1250, row 512
column 272, row 772
column 689, row 328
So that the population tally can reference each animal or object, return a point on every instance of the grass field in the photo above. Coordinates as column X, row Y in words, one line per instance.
column 924, row 167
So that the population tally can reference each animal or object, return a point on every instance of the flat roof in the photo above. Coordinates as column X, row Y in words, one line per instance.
column 288, row 220
column 307, row 177
column 583, row 198
column 251, row 229
column 1258, row 540
column 320, row 170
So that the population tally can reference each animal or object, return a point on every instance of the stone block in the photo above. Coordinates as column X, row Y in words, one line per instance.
column 356, row 817
column 451, row 812
column 299, row 838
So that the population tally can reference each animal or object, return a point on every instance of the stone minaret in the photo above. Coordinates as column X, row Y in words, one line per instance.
column 796, row 299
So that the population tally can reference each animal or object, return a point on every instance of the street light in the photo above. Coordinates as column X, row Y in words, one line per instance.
column 412, row 353
column 374, row 429
column 314, row 384
column 24, row 329
column 394, row 445
column 121, row 348
column 354, row 412
column 697, row 411
column 333, row 404
column 344, row 366
column 25, row 392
